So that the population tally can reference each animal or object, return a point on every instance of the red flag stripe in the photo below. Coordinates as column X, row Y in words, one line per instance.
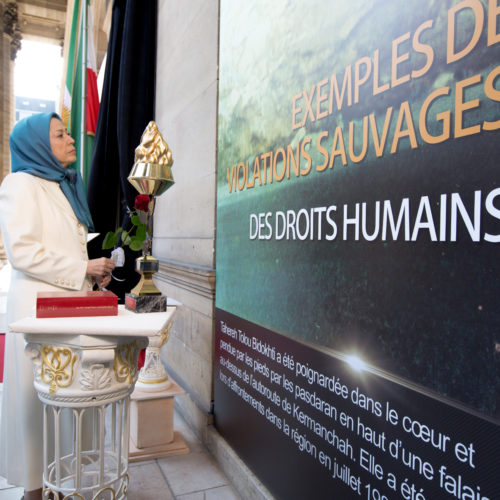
column 92, row 101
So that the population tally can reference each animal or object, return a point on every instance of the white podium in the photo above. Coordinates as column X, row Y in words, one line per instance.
column 85, row 369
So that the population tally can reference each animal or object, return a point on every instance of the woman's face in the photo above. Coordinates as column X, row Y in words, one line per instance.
column 61, row 143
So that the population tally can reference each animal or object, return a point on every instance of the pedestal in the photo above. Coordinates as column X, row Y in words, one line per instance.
column 145, row 304
column 152, row 433
column 145, row 297
column 84, row 372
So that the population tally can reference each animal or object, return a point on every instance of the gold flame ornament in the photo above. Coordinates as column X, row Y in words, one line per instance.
column 152, row 170
column 151, row 175
column 153, row 148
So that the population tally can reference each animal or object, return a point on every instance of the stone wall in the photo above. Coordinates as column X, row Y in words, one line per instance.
column 185, row 216
column 184, row 225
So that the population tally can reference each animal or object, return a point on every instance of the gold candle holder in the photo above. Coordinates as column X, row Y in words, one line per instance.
column 151, row 175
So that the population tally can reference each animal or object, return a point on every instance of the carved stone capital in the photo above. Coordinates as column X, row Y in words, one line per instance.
column 10, row 18
column 11, row 27
column 15, row 43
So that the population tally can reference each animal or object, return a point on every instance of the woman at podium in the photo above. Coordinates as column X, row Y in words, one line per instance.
column 44, row 220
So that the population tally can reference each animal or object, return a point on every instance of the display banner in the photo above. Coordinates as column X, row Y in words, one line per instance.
column 312, row 424
column 358, row 213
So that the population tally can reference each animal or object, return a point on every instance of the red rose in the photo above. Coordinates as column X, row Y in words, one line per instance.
column 142, row 202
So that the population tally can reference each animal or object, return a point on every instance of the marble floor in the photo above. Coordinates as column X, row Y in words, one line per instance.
column 194, row 476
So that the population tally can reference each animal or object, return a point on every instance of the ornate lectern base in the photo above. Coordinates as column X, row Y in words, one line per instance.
column 84, row 374
column 145, row 303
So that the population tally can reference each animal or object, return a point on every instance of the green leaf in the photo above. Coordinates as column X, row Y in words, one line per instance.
column 141, row 232
column 126, row 240
column 110, row 240
column 136, row 220
column 135, row 245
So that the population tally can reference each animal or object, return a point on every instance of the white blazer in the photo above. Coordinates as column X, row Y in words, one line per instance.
column 47, row 248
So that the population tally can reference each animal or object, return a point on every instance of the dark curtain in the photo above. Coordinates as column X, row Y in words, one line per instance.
column 127, row 106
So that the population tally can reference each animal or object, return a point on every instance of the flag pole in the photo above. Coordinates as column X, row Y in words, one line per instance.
column 83, row 125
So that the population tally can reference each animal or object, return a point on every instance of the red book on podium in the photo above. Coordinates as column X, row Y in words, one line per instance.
column 68, row 304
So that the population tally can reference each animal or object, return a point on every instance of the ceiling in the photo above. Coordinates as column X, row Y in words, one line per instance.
column 42, row 20
column 45, row 21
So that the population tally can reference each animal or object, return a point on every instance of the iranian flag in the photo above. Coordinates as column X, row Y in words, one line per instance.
column 80, row 105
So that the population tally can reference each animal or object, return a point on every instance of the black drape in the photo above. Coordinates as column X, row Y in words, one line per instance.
column 127, row 106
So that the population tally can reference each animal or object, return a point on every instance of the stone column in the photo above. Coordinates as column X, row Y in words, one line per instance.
column 10, row 43
column 4, row 56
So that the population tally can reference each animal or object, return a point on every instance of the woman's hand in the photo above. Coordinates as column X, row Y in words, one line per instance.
column 101, row 268
column 103, row 281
